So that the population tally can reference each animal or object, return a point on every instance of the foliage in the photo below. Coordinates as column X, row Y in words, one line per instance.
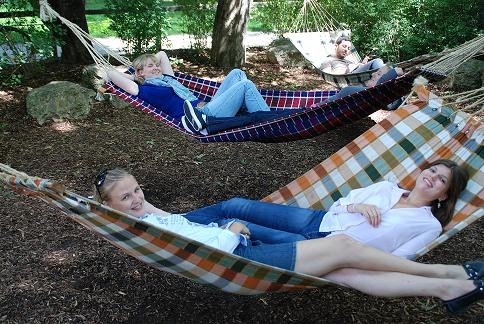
column 25, row 40
column 99, row 26
column 198, row 19
column 141, row 23
column 277, row 15
column 402, row 29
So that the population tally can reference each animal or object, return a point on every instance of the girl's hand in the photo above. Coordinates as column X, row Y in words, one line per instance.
column 371, row 213
column 239, row 228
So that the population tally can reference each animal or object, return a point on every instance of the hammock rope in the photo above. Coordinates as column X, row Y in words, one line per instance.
column 476, row 95
column 313, row 17
column 49, row 14
column 450, row 62
column 396, row 148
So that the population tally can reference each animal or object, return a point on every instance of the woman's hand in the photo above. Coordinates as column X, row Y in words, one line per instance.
column 239, row 228
column 371, row 212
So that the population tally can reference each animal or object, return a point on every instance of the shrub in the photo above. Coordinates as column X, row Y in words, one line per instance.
column 141, row 23
column 198, row 19
column 25, row 41
column 277, row 15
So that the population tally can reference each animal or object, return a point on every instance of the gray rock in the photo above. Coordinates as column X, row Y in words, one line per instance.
column 93, row 76
column 59, row 100
column 286, row 54
column 468, row 76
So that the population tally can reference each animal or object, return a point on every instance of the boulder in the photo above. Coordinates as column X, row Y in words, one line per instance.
column 59, row 100
column 286, row 54
column 468, row 76
column 93, row 76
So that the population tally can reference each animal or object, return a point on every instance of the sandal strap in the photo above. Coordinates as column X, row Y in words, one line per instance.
column 474, row 269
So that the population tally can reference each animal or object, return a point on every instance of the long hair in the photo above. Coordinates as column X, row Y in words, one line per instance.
column 140, row 62
column 105, row 181
column 444, row 210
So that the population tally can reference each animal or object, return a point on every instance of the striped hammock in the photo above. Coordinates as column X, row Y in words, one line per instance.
column 315, row 120
column 395, row 148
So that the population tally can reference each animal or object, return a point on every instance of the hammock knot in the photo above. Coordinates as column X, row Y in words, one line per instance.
column 45, row 13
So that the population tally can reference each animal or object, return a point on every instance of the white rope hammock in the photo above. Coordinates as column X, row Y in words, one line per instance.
column 314, row 18
column 49, row 14
column 467, row 100
column 451, row 61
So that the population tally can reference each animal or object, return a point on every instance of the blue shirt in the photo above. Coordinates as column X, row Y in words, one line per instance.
column 163, row 98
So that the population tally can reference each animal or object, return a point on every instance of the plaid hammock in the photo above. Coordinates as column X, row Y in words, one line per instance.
column 396, row 148
column 313, row 121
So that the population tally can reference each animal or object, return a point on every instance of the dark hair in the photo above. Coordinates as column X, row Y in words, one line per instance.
column 458, row 182
column 342, row 38
column 105, row 180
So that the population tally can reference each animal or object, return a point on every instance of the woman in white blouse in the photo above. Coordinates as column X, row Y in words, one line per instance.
column 338, row 258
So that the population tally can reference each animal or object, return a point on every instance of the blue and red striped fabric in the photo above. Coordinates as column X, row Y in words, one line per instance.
column 315, row 120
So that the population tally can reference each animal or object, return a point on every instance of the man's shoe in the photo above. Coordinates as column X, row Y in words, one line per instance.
column 459, row 305
column 188, row 126
column 194, row 116
column 474, row 269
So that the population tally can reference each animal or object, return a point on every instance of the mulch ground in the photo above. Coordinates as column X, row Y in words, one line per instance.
column 52, row 270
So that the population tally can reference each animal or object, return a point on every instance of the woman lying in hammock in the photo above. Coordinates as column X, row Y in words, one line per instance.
column 382, row 215
column 337, row 258
column 154, row 82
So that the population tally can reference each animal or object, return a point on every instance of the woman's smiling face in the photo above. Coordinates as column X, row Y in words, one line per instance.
column 126, row 196
column 150, row 69
column 434, row 182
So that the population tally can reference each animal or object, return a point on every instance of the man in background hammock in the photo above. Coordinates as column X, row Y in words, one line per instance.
column 337, row 63
column 338, row 258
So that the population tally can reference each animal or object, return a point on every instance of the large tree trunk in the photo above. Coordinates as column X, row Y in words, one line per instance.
column 228, row 48
column 73, row 51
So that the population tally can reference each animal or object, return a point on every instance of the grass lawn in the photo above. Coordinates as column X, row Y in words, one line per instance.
column 99, row 24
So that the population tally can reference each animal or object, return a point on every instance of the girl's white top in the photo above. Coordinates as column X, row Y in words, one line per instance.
column 402, row 231
column 210, row 234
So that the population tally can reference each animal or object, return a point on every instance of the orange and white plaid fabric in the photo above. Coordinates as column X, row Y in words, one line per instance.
column 395, row 148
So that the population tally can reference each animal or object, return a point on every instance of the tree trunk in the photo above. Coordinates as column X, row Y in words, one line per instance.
column 228, row 48
column 73, row 51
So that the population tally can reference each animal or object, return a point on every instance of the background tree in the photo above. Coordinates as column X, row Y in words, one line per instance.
column 228, row 49
column 73, row 51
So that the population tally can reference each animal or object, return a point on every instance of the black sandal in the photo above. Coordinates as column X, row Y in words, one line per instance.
column 459, row 305
column 474, row 269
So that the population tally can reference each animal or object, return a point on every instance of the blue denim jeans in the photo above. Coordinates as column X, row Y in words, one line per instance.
column 282, row 255
column 235, row 92
column 371, row 65
column 346, row 91
column 269, row 223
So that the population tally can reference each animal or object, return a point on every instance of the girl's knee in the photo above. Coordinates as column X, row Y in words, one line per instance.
column 345, row 243
column 239, row 74
column 236, row 200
